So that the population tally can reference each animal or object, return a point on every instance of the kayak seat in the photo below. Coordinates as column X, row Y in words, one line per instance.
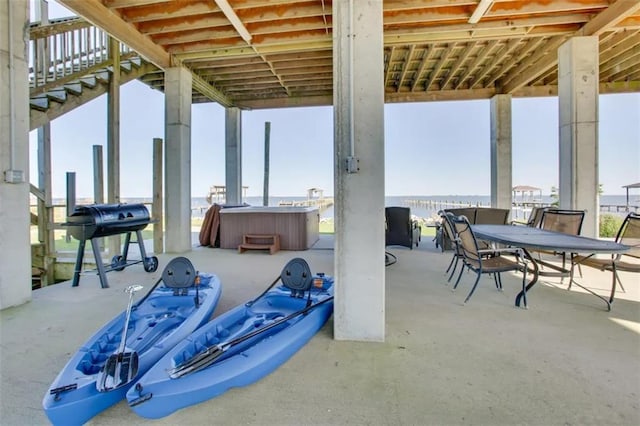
column 297, row 277
column 179, row 274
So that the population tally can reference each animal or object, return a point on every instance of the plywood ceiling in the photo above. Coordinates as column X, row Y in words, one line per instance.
column 276, row 53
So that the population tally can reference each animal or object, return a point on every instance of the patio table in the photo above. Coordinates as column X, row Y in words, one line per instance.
column 529, row 238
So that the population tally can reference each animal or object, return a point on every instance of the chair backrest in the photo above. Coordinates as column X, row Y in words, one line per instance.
column 449, row 230
column 179, row 273
column 535, row 219
column 398, row 226
column 629, row 234
column 466, row 238
column 491, row 216
column 565, row 221
column 468, row 212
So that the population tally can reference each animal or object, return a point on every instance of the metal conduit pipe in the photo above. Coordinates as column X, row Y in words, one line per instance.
column 12, row 91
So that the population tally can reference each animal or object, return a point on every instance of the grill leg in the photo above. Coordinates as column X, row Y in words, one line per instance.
column 96, row 254
column 143, row 253
column 125, row 248
column 79, row 256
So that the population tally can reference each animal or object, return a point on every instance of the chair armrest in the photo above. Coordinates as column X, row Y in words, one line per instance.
column 508, row 250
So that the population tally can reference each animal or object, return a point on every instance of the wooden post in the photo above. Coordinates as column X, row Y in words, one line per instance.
column 98, row 175
column 267, row 136
column 156, row 207
column 71, row 192
column 45, row 209
column 98, row 182
column 113, row 137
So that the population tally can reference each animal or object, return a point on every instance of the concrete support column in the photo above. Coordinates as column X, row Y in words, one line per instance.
column 15, row 261
column 578, row 72
column 177, row 156
column 233, row 155
column 358, row 101
column 501, row 158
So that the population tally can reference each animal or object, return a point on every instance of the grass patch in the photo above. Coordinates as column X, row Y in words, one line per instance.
column 327, row 227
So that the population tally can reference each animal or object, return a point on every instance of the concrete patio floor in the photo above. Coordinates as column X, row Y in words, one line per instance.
column 565, row 360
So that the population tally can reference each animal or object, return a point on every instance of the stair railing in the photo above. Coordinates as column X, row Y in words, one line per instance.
column 64, row 50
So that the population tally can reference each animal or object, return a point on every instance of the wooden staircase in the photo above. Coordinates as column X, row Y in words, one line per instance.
column 71, row 64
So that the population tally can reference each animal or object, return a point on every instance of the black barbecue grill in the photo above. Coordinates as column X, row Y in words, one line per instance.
column 102, row 220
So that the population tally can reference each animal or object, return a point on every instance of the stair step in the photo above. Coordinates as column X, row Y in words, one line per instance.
column 74, row 87
column 136, row 61
column 58, row 94
column 89, row 81
column 103, row 76
column 126, row 65
column 269, row 242
column 40, row 103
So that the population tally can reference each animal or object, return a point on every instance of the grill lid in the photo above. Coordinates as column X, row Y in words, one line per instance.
column 102, row 220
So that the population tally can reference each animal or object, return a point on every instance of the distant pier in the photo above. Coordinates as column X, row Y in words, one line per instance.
column 315, row 198
column 516, row 205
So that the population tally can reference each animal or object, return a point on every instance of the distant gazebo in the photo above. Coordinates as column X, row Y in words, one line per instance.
column 527, row 194
column 631, row 186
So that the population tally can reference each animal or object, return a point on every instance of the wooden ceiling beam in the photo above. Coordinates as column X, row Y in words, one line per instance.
column 458, row 63
column 626, row 60
column 173, row 10
column 440, row 95
column 423, row 65
column 99, row 15
column 510, row 82
column 116, row 4
column 390, row 68
column 284, row 65
column 482, row 55
column 536, row 65
column 611, row 16
column 507, row 9
column 522, row 50
column 615, row 39
column 160, row 26
column 438, row 67
column 290, row 102
column 407, row 63
column 528, row 10
column 600, row 23
column 500, row 58
column 170, row 39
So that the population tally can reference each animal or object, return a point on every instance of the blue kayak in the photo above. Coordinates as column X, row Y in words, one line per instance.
column 240, row 346
column 155, row 324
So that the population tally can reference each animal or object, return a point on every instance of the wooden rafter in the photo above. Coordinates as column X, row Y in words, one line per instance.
column 406, row 67
column 462, row 57
column 439, row 65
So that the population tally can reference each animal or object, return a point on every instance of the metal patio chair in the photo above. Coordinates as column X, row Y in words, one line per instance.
column 535, row 217
column 400, row 229
column 449, row 232
column 566, row 222
column 487, row 261
column 629, row 235
column 492, row 216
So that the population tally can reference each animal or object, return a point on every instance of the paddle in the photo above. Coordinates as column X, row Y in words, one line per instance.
column 209, row 356
column 122, row 366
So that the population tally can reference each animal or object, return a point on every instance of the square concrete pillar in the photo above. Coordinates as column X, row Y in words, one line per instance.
column 15, row 245
column 177, row 159
column 233, row 155
column 578, row 73
column 501, row 152
column 358, row 100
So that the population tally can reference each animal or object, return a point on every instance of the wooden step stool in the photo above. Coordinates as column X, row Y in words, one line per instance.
column 260, row 242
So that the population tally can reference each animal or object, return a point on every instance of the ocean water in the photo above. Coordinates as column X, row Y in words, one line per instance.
column 424, row 207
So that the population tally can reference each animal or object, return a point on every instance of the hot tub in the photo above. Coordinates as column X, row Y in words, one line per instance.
column 298, row 227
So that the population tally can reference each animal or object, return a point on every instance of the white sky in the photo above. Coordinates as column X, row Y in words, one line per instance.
column 422, row 142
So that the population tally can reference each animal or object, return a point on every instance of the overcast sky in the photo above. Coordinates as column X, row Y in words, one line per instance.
column 421, row 142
